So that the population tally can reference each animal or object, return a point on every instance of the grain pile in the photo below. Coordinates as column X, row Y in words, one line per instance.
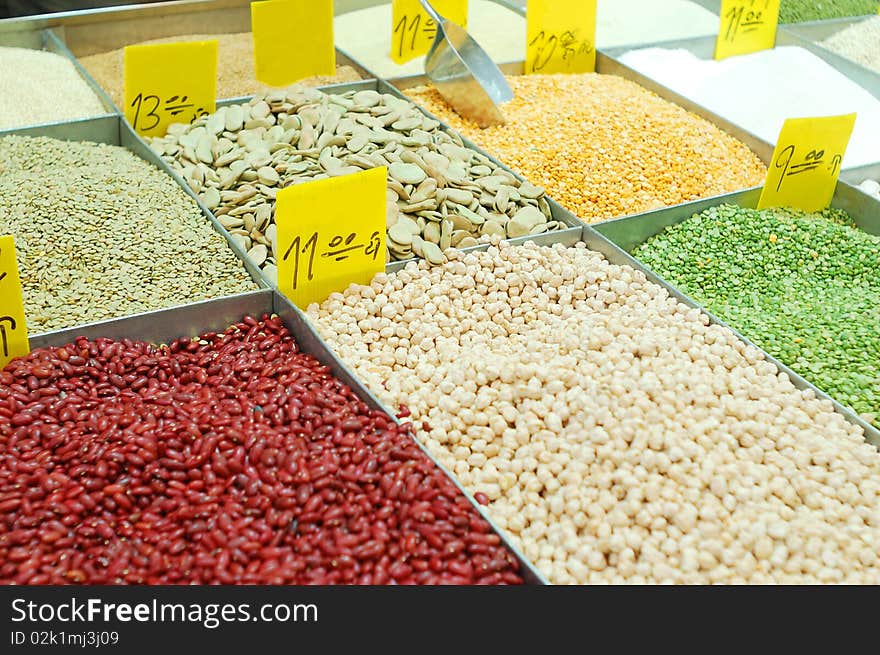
column 803, row 286
column 604, row 147
column 235, row 67
column 440, row 194
column 614, row 433
column 859, row 42
column 42, row 87
column 100, row 234
column 783, row 82
column 799, row 11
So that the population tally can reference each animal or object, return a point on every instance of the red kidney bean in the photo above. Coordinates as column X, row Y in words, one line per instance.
column 231, row 459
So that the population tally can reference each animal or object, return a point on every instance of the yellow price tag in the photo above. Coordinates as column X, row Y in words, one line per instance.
column 331, row 233
column 13, row 329
column 561, row 36
column 293, row 39
column 806, row 162
column 413, row 31
column 169, row 83
column 746, row 26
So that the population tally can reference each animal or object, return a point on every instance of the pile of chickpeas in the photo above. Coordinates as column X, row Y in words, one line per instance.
column 614, row 432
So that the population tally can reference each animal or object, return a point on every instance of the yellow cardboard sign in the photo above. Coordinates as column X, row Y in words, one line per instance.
column 169, row 83
column 293, row 39
column 806, row 162
column 561, row 36
column 746, row 26
column 413, row 31
column 13, row 329
column 331, row 233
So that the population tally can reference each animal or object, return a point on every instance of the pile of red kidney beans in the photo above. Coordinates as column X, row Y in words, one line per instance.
column 231, row 458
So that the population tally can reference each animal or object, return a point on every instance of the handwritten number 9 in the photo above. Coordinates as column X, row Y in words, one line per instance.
column 138, row 103
column 786, row 154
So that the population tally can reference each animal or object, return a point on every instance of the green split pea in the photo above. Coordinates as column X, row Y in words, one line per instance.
column 804, row 287
column 798, row 11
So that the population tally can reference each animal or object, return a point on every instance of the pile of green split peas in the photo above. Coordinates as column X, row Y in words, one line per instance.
column 804, row 287
column 799, row 11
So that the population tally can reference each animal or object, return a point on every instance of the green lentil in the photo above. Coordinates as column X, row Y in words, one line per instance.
column 804, row 287
column 799, row 11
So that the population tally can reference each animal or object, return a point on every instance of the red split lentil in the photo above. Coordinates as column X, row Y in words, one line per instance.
column 232, row 458
column 604, row 147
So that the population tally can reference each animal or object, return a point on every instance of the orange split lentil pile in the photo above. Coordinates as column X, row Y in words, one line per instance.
column 604, row 147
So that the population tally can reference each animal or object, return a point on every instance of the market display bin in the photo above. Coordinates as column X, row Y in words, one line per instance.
column 810, row 35
column 34, row 38
column 113, row 130
column 347, row 6
column 711, row 5
column 625, row 234
column 856, row 176
column 616, row 239
column 91, row 31
column 557, row 212
column 94, row 32
column 166, row 325
column 606, row 65
column 816, row 31
column 704, row 48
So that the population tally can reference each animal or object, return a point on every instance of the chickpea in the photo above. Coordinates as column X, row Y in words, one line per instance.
column 619, row 437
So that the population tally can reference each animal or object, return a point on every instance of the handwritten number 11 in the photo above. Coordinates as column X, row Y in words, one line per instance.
column 735, row 20
column 311, row 245
column 403, row 26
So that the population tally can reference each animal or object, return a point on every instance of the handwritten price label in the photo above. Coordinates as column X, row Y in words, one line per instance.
column 13, row 329
column 331, row 233
column 413, row 31
column 169, row 83
column 561, row 36
column 293, row 39
column 746, row 26
column 806, row 162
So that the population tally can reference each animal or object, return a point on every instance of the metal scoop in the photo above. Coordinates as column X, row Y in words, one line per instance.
column 464, row 74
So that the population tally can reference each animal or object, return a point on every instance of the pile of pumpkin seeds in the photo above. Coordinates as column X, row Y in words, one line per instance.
column 440, row 193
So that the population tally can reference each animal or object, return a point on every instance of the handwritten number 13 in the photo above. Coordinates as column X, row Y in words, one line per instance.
column 139, row 101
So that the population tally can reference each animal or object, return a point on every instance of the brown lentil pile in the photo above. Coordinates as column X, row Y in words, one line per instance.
column 235, row 67
column 605, row 147
column 101, row 233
